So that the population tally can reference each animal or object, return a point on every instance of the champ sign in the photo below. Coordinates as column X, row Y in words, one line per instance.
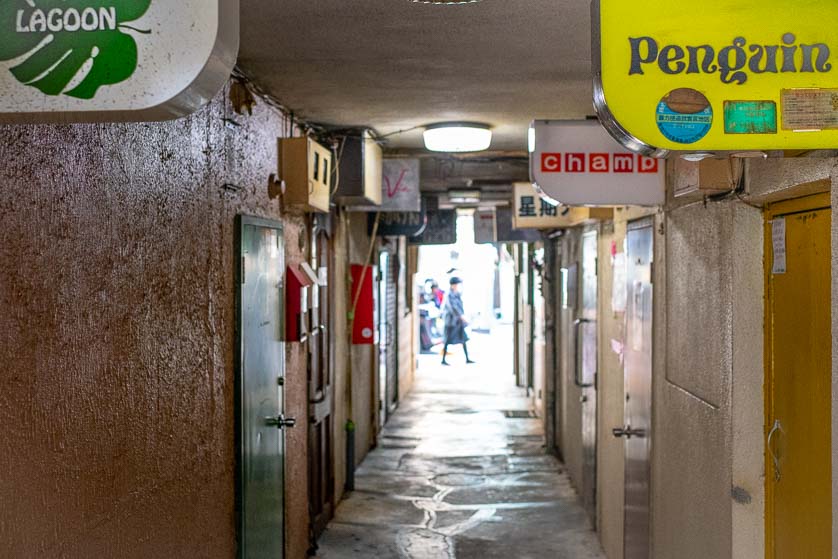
column 577, row 163
column 720, row 75
column 113, row 60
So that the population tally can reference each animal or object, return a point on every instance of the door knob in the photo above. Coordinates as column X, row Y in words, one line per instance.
column 280, row 422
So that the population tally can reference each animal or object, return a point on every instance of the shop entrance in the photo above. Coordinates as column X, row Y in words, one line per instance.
column 798, row 379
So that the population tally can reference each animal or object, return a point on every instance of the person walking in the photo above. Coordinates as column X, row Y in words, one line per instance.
column 455, row 320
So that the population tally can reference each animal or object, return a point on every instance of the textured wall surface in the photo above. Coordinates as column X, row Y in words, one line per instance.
column 117, row 335
column 691, row 451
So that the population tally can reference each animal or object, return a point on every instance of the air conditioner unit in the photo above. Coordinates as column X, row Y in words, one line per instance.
column 361, row 164
column 306, row 168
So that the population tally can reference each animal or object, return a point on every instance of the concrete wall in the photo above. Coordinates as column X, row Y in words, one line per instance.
column 408, row 321
column 570, row 420
column 340, row 348
column 117, row 335
column 364, row 403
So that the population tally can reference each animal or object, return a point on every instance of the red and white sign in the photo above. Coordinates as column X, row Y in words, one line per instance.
column 579, row 164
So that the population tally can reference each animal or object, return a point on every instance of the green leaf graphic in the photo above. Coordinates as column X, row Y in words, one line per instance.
column 50, row 60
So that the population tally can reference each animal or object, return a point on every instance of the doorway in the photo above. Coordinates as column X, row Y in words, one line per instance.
column 320, row 382
column 586, row 363
column 798, row 379
column 260, row 420
column 388, row 369
column 638, row 388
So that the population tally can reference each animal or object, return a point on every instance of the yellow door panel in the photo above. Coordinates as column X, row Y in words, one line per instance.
column 798, row 382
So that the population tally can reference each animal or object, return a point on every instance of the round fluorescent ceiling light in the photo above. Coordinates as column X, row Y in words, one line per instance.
column 458, row 137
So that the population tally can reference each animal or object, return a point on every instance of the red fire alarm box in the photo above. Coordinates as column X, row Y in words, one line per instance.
column 363, row 326
column 297, row 284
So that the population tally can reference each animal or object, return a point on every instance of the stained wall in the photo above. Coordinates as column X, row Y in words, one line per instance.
column 117, row 335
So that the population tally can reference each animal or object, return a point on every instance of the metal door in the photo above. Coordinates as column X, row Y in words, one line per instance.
column 638, row 388
column 586, row 368
column 387, row 335
column 321, row 403
column 799, row 380
column 259, row 387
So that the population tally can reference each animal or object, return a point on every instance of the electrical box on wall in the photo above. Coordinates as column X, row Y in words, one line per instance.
column 363, row 324
column 697, row 179
column 361, row 166
column 298, row 281
column 306, row 168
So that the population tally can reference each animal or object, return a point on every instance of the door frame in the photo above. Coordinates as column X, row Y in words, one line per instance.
column 785, row 207
column 242, row 221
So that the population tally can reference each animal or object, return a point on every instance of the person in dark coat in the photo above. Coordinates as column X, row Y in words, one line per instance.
column 455, row 320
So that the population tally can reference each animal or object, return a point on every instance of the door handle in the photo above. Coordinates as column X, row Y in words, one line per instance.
column 628, row 432
column 280, row 422
column 577, row 378
column 774, row 458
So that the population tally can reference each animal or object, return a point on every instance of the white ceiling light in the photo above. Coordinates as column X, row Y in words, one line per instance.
column 458, row 137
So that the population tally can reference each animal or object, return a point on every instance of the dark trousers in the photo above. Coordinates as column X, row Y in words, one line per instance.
column 445, row 351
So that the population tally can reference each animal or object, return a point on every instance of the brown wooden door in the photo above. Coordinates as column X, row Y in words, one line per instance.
column 321, row 402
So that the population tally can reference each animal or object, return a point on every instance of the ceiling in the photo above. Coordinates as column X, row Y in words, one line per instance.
column 396, row 64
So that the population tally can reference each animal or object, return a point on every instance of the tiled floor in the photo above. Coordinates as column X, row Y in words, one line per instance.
column 453, row 477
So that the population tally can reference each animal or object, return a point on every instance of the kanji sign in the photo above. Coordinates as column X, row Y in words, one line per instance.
column 113, row 60
column 578, row 164
column 725, row 75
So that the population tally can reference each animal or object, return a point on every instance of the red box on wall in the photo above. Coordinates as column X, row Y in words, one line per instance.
column 363, row 326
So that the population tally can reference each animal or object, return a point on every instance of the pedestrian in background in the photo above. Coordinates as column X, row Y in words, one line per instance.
column 455, row 320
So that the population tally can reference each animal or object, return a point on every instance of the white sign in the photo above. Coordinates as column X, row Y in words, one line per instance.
column 578, row 163
column 400, row 186
column 113, row 60
column 778, row 240
column 485, row 229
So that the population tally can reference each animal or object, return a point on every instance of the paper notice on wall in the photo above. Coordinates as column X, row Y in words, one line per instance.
column 618, row 291
column 778, row 240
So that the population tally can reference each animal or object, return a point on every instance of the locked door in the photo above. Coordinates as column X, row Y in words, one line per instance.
column 636, row 429
column 320, row 397
column 799, row 380
column 387, row 334
column 259, row 389
column 587, row 348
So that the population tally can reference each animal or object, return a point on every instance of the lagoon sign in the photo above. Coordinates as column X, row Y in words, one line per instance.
column 113, row 60
column 722, row 76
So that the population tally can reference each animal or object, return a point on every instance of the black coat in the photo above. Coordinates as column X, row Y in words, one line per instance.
column 455, row 326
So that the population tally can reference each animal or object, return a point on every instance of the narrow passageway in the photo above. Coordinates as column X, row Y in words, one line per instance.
column 458, row 473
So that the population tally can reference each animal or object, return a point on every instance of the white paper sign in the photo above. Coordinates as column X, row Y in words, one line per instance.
column 578, row 163
column 778, row 240
column 619, row 294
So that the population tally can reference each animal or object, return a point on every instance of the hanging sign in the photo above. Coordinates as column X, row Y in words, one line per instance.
column 398, row 224
column 534, row 212
column 730, row 75
column 577, row 163
column 113, row 60
column 440, row 230
column 485, row 229
column 400, row 186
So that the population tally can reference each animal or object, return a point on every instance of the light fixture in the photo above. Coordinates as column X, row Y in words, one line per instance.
column 464, row 196
column 458, row 137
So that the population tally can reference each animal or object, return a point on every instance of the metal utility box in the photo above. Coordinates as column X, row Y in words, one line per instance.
column 697, row 179
column 361, row 165
column 306, row 168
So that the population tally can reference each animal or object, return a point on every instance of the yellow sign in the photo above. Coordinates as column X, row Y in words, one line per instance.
column 718, row 75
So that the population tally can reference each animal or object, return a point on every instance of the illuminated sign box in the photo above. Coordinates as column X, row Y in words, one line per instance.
column 719, row 75
column 113, row 60
column 577, row 163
